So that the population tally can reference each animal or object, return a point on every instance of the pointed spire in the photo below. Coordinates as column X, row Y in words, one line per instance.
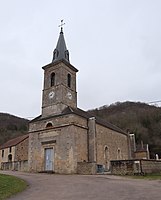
column 61, row 51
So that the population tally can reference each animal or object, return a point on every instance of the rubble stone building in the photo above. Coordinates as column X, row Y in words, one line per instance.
column 64, row 138
column 14, row 154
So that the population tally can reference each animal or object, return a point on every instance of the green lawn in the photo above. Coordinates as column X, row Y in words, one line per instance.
column 10, row 185
column 149, row 177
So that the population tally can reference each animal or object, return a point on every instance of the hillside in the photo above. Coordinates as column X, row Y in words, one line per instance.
column 11, row 127
column 139, row 118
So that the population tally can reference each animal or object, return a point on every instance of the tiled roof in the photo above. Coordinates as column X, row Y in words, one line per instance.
column 100, row 121
column 83, row 114
column 14, row 142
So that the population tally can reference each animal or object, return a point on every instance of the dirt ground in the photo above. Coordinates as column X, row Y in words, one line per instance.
column 79, row 187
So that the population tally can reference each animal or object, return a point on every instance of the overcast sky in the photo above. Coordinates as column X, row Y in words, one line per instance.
column 115, row 45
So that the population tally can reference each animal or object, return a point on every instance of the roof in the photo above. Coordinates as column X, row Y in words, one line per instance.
column 59, row 61
column 14, row 142
column 83, row 114
column 61, row 51
column 100, row 121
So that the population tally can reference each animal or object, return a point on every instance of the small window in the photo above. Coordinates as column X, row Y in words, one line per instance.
column 52, row 79
column 69, row 80
column 49, row 125
column 2, row 153
column 10, row 150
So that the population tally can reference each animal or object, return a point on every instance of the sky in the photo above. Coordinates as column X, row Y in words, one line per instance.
column 115, row 45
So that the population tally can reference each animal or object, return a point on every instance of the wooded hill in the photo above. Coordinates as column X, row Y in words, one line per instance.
column 139, row 118
column 11, row 127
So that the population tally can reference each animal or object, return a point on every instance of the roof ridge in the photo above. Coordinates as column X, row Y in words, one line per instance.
column 14, row 141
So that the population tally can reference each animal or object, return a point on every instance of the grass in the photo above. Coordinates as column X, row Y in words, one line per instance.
column 148, row 177
column 10, row 185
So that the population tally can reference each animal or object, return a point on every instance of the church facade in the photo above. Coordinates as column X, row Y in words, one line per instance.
column 64, row 136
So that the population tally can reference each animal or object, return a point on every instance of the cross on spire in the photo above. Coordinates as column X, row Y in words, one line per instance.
column 61, row 25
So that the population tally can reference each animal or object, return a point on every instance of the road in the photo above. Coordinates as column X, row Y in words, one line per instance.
column 79, row 187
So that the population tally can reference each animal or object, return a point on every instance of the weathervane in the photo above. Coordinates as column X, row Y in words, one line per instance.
column 61, row 25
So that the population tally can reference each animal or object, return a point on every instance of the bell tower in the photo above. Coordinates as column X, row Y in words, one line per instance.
column 59, row 89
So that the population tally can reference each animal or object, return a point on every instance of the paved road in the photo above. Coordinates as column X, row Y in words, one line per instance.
column 77, row 187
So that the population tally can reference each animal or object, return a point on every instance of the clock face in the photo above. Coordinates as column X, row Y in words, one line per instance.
column 51, row 94
column 69, row 95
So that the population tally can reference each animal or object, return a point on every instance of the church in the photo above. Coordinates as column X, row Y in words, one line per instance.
column 64, row 138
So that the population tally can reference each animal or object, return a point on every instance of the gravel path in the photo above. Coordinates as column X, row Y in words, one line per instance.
column 78, row 187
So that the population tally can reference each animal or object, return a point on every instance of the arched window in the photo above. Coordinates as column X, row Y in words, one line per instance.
column 106, row 153
column 52, row 79
column 119, row 154
column 107, row 158
column 69, row 80
column 49, row 125
column 10, row 158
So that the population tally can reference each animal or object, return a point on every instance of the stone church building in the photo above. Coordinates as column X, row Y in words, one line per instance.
column 64, row 138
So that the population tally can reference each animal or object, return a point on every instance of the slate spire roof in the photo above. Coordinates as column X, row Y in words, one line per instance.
column 61, row 52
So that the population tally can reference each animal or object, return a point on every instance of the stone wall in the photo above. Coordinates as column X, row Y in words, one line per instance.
column 110, row 145
column 17, row 166
column 151, row 166
column 141, row 155
column 125, row 167
column 21, row 150
column 86, row 168
column 60, row 99
column 69, row 142
column 132, row 167
column 58, row 122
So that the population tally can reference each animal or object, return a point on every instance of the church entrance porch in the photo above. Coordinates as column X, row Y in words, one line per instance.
column 49, row 159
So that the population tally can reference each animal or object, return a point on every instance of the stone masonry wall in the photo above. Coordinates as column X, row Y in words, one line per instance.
column 115, row 143
column 151, row 166
column 141, row 155
column 21, row 150
column 131, row 167
column 57, row 122
column 60, row 99
column 69, row 143
column 15, row 165
column 125, row 167
column 86, row 168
